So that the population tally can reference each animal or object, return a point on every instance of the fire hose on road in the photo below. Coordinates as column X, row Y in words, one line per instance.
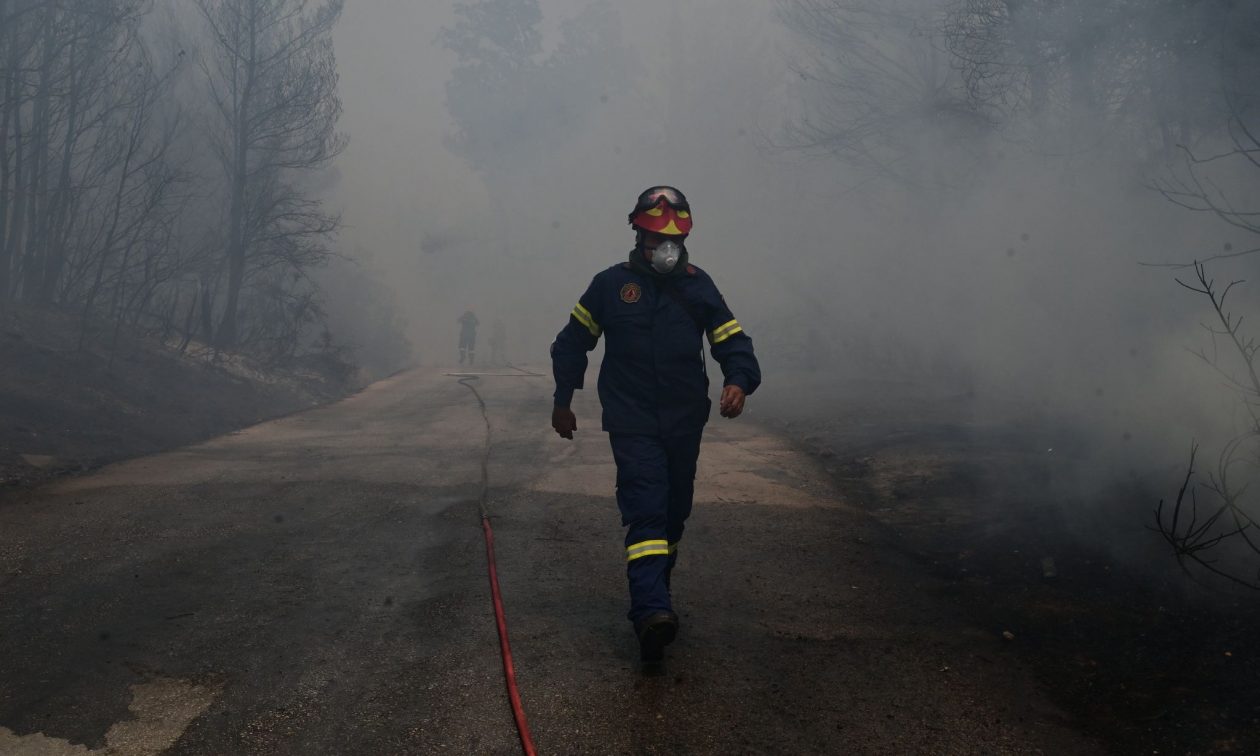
column 505, row 648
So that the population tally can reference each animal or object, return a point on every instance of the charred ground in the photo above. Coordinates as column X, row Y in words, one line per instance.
column 1147, row 659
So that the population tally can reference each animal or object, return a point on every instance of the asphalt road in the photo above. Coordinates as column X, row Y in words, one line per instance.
column 317, row 584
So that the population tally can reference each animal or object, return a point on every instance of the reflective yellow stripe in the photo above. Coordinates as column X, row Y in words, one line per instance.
column 725, row 331
column 583, row 316
column 646, row 548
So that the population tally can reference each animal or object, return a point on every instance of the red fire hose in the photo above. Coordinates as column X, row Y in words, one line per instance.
column 518, row 712
column 509, row 671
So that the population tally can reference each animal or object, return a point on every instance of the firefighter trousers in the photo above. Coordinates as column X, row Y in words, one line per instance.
column 655, row 482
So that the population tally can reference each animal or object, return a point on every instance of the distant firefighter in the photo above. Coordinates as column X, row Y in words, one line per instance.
column 468, row 337
column 498, row 337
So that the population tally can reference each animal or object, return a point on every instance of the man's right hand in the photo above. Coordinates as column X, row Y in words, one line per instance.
column 564, row 421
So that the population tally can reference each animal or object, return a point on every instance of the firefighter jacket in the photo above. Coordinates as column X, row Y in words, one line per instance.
column 653, row 378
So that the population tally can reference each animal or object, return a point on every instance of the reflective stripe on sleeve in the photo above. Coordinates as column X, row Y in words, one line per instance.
column 646, row 548
column 583, row 316
column 725, row 331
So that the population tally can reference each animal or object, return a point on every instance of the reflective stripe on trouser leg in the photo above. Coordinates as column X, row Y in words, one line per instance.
column 643, row 498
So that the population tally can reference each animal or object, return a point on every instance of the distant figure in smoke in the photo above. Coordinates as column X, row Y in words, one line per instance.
column 498, row 337
column 468, row 337
column 654, row 391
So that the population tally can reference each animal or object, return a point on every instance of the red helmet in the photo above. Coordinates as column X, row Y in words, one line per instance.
column 663, row 210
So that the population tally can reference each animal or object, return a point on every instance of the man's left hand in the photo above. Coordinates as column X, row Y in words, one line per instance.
column 732, row 402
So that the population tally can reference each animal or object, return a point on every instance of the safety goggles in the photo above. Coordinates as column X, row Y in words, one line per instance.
column 654, row 196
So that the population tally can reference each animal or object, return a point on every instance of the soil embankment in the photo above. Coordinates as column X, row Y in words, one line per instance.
column 66, row 409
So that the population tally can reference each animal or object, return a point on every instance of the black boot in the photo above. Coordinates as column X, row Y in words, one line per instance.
column 655, row 631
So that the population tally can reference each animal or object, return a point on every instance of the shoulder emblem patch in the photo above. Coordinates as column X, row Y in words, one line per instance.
column 631, row 292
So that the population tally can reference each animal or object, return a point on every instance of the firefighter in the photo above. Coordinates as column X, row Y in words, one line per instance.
column 467, row 337
column 654, row 309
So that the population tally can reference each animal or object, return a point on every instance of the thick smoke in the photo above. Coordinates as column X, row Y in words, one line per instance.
column 874, row 209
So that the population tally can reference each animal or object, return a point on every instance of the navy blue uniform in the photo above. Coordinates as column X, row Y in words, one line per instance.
column 654, row 392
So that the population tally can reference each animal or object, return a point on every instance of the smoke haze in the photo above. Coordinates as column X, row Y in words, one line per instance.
column 1011, row 272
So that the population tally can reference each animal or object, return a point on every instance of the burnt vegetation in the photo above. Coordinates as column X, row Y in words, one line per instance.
column 1220, row 179
column 161, row 170
column 1220, row 535
column 928, row 95
column 916, row 93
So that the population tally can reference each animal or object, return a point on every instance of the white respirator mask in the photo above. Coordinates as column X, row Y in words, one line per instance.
column 665, row 256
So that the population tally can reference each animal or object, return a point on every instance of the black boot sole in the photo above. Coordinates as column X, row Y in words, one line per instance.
column 653, row 640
